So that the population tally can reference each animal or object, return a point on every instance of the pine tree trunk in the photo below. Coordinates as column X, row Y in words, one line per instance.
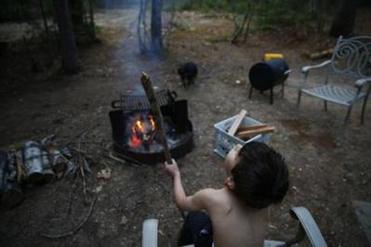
column 77, row 13
column 67, row 37
column 343, row 23
column 156, row 27
column 91, row 18
column 45, row 19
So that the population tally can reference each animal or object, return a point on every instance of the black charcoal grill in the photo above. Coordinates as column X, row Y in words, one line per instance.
column 266, row 75
column 135, row 135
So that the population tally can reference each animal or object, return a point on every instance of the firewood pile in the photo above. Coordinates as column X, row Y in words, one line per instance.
column 37, row 163
column 247, row 132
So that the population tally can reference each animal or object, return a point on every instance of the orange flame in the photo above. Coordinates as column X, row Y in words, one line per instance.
column 142, row 130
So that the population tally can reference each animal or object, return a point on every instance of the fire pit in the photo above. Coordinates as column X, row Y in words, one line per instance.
column 135, row 133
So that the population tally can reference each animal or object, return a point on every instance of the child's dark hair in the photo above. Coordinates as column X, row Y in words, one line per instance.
column 261, row 176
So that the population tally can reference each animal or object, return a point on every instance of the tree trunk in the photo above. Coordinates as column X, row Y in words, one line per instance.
column 142, row 27
column 77, row 13
column 343, row 23
column 156, row 27
column 67, row 37
column 45, row 19
column 91, row 18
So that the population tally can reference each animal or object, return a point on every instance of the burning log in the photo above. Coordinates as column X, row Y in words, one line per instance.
column 143, row 130
column 155, row 109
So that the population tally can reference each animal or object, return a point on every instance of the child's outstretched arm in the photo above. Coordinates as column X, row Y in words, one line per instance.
column 197, row 201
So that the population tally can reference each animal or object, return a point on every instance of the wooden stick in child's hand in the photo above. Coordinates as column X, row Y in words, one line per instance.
column 155, row 108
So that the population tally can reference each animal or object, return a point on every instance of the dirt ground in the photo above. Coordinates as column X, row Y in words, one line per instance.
column 329, row 163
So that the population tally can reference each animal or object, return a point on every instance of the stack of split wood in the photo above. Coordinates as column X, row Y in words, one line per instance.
column 36, row 163
column 10, row 192
column 249, row 131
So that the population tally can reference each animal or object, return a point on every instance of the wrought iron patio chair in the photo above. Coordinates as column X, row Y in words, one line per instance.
column 351, row 58
column 308, row 232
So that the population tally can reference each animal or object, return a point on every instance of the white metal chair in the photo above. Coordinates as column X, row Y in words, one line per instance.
column 307, row 231
column 351, row 57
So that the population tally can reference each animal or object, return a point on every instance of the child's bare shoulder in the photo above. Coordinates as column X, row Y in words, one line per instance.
column 211, row 195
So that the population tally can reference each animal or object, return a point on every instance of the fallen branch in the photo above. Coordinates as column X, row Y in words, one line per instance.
column 82, row 172
column 75, row 229
column 74, row 187
column 125, row 162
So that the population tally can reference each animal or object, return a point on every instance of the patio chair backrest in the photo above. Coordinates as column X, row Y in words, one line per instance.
column 352, row 56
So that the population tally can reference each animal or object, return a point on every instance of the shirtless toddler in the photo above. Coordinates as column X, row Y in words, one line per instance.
column 257, row 177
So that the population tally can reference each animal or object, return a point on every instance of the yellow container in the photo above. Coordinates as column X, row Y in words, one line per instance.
column 271, row 56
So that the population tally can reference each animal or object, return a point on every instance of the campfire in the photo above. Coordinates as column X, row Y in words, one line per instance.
column 143, row 130
column 135, row 132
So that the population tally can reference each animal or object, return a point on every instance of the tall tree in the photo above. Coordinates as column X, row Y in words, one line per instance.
column 77, row 12
column 343, row 23
column 156, row 27
column 67, row 37
column 142, row 26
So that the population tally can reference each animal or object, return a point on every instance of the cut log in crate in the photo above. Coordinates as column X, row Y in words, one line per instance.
column 224, row 142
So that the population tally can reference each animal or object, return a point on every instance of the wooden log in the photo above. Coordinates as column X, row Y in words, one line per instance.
column 251, row 127
column 57, row 160
column 48, row 174
column 21, row 172
column 249, row 133
column 11, row 194
column 232, row 130
column 321, row 54
column 155, row 109
column 3, row 170
column 32, row 159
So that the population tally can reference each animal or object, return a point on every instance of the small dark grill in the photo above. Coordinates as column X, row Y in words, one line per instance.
column 266, row 75
column 134, row 131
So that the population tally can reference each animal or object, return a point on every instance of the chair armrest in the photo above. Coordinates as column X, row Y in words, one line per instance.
column 309, row 226
column 306, row 69
column 363, row 81
column 149, row 233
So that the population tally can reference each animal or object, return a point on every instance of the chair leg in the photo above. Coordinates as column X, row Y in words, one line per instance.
column 299, row 98
column 271, row 101
column 250, row 92
column 348, row 114
column 325, row 105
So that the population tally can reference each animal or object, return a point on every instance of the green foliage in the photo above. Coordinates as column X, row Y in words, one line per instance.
column 206, row 5
column 266, row 14
column 23, row 10
column 278, row 13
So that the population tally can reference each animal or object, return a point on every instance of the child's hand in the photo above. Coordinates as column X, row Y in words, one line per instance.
column 172, row 168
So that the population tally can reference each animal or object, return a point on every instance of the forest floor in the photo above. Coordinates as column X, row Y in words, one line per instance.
column 329, row 163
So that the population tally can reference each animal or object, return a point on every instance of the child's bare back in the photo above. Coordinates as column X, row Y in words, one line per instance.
column 235, row 224
column 257, row 177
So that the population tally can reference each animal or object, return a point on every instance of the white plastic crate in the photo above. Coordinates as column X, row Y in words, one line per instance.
column 225, row 142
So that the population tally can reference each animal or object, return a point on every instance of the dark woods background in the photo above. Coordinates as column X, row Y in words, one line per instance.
column 62, row 27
